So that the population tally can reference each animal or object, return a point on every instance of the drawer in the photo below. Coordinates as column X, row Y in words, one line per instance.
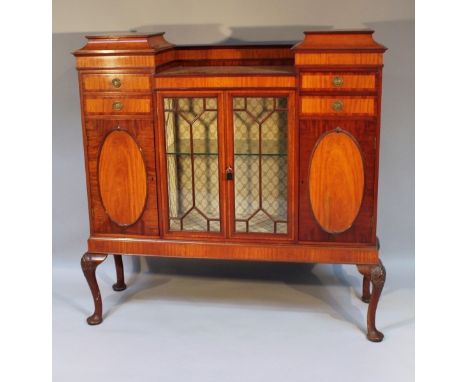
column 338, row 105
column 117, row 105
column 337, row 81
column 116, row 82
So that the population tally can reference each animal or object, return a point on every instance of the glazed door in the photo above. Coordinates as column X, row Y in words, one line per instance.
column 259, row 171
column 337, row 189
column 191, row 146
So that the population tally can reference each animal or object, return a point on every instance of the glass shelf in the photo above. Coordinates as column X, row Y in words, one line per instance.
column 200, row 147
column 251, row 147
column 242, row 147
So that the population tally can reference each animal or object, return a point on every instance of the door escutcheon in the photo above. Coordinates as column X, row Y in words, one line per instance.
column 229, row 173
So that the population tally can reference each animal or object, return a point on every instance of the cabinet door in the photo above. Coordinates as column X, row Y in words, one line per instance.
column 121, row 177
column 261, row 142
column 337, row 188
column 191, row 144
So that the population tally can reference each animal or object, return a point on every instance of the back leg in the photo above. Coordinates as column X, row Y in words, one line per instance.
column 366, row 294
column 120, row 284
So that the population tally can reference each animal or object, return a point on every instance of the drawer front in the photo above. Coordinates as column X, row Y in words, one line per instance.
column 351, row 106
column 337, row 81
column 116, row 105
column 116, row 82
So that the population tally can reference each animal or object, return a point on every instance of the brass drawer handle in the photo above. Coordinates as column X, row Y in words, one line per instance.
column 337, row 81
column 338, row 105
column 117, row 105
column 116, row 83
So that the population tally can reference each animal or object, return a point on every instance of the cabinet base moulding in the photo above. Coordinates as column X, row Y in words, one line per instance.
column 237, row 251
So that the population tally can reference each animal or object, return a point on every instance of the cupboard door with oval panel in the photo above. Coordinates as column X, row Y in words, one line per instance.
column 121, row 177
column 337, row 181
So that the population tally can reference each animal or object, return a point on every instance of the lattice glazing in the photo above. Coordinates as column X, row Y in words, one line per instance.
column 192, row 164
column 261, row 164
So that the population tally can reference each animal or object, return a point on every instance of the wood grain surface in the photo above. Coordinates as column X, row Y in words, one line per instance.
column 325, row 81
column 237, row 251
column 96, row 131
column 245, row 81
column 351, row 105
column 128, row 82
column 122, row 178
column 336, row 181
column 338, row 59
column 104, row 105
column 115, row 62
column 362, row 229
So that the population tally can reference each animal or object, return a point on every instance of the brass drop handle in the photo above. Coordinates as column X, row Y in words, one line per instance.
column 116, row 82
column 338, row 105
column 117, row 105
column 229, row 173
column 337, row 81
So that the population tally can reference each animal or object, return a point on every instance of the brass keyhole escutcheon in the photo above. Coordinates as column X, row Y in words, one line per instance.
column 116, row 83
column 337, row 81
column 117, row 105
column 338, row 105
column 229, row 173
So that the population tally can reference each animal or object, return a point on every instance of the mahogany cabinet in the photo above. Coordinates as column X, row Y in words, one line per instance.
column 254, row 152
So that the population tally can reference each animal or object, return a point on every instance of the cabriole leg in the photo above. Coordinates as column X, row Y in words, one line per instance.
column 120, row 284
column 376, row 273
column 89, row 263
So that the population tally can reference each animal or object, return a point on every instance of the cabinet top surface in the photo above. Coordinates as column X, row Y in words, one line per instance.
column 226, row 70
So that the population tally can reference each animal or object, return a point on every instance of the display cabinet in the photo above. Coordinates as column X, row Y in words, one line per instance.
column 247, row 152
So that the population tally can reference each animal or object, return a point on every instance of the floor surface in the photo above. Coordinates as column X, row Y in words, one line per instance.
column 199, row 320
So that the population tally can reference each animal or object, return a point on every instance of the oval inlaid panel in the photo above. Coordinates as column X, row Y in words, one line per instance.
column 122, row 178
column 336, row 181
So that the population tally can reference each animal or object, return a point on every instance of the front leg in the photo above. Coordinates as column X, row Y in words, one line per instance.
column 376, row 274
column 89, row 263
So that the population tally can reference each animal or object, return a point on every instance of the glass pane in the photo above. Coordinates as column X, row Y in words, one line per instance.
column 261, row 164
column 191, row 126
